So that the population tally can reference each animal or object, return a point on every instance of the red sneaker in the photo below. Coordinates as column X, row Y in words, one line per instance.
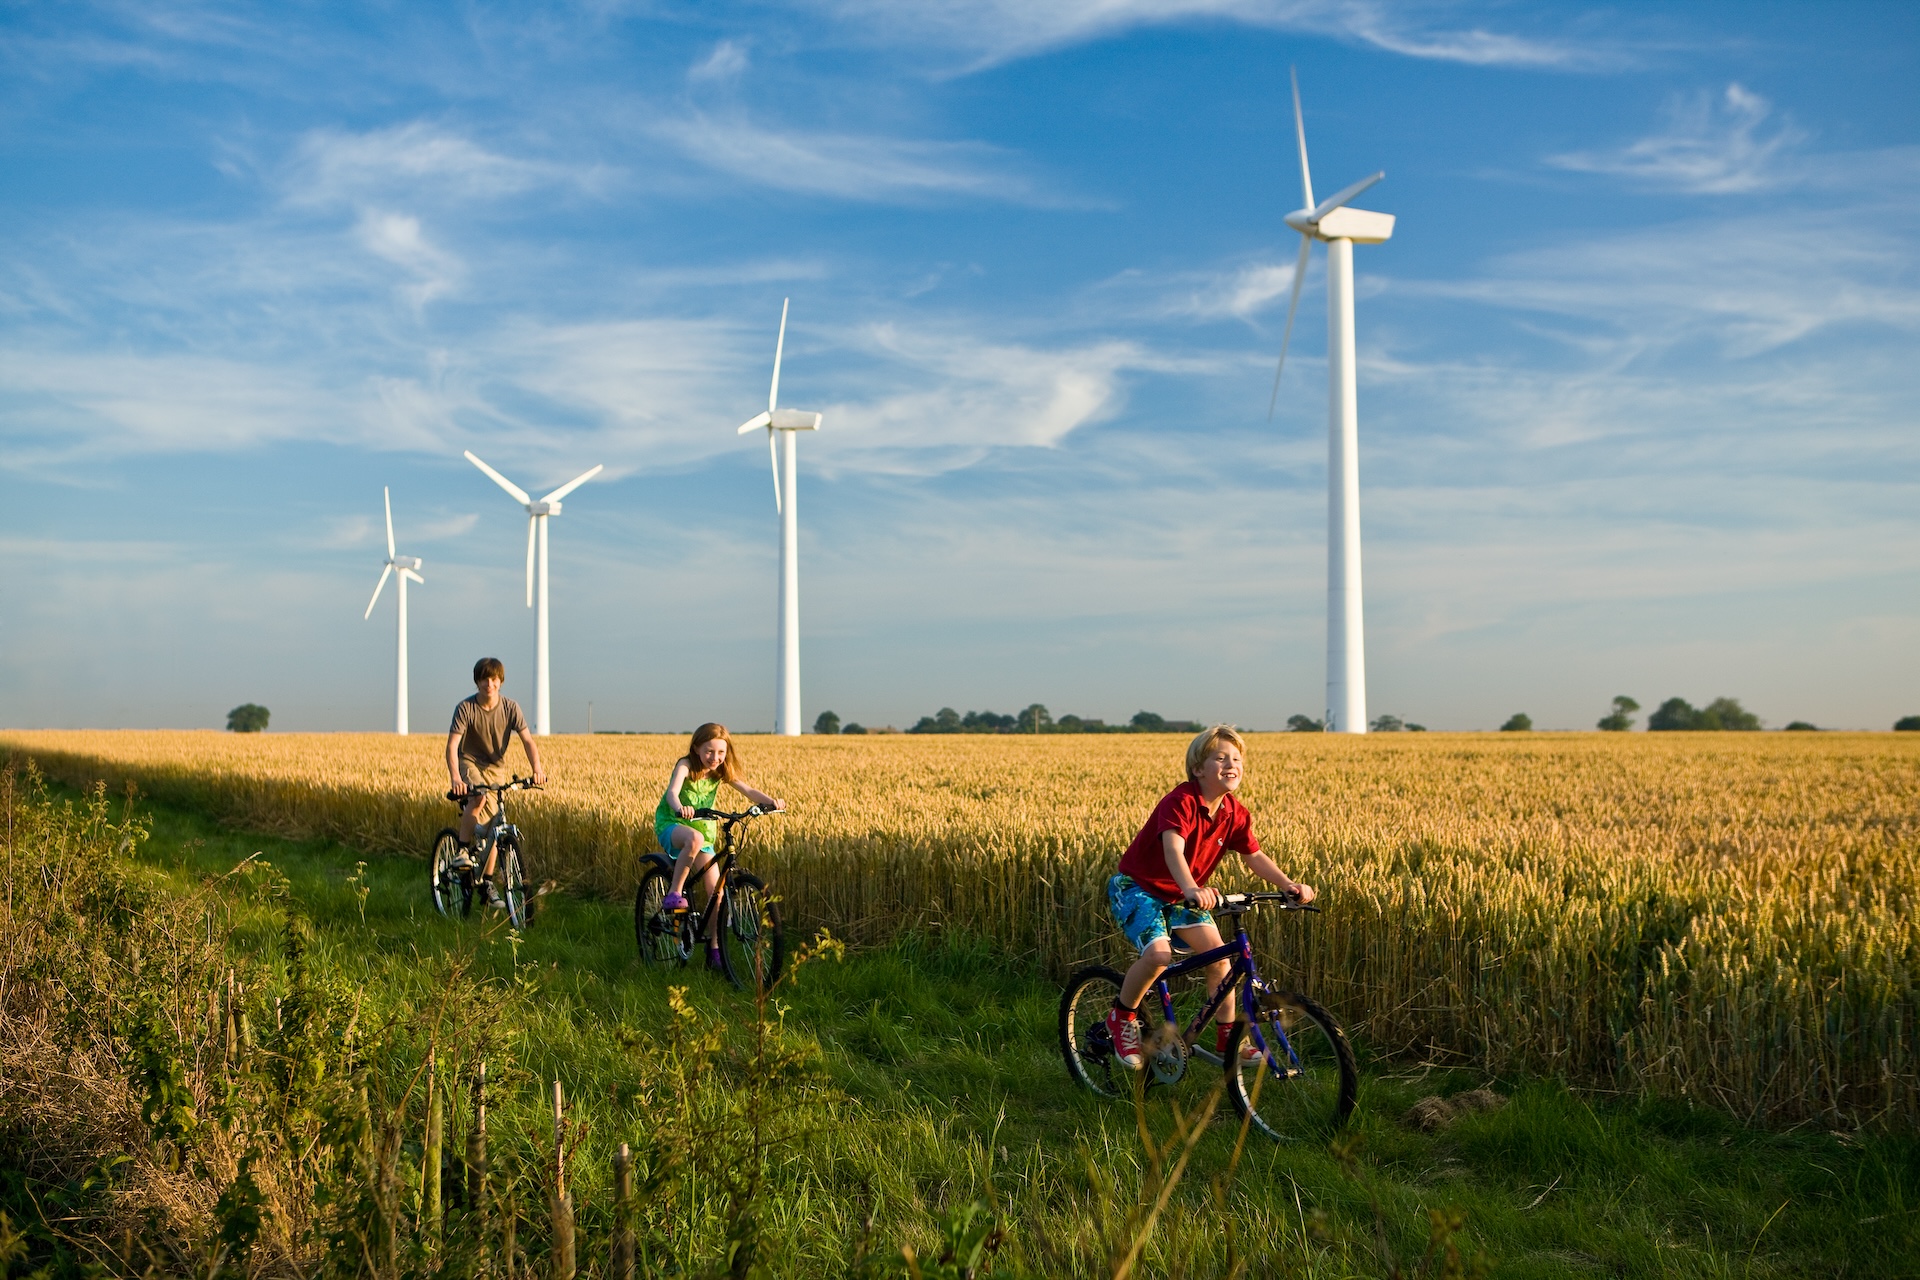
column 1249, row 1051
column 1123, row 1026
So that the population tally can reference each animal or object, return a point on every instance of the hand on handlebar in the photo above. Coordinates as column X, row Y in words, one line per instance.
column 539, row 777
column 459, row 787
column 1203, row 897
column 685, row 811
column 1304, row 892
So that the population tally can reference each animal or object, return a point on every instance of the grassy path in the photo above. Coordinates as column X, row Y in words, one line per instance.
column 951, row 1089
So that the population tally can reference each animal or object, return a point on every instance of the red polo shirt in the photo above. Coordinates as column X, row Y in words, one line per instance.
column 1208, row 839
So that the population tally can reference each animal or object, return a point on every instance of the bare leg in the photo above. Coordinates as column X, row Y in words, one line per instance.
column 710, row 877
column 1145, row 971
column 687, row 844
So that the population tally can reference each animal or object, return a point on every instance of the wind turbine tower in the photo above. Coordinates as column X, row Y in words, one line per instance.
column 1340, row 228
column 408, row 568
column 537, row 513
column 782, row 451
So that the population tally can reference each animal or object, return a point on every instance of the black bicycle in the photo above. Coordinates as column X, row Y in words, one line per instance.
column 456, row 885
column 1300, row 1082
column 752, row 945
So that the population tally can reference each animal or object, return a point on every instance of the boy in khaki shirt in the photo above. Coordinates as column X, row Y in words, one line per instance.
column 482, row 730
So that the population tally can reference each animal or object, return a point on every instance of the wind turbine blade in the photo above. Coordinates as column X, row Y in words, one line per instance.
column 377, row 589
column 1335, row 201
column 758, row 421
column 1293, row 304
column 773, row 456
column 387, row 497
column 532, row 523
column 780, row 345
column 1300, row 130
column 519, row 494
column 408, row 573
column 573, row 484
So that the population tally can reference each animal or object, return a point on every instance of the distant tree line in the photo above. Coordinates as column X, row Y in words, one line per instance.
column 1035, row 719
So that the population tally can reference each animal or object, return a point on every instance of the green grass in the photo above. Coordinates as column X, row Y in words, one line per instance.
column 942, row 1084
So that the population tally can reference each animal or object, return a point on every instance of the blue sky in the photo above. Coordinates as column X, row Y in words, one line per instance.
column 1638, row 391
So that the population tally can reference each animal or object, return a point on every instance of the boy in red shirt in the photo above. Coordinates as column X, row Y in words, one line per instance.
column 1162, row 882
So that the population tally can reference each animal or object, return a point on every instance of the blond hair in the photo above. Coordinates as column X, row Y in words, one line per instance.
column 1204, row 742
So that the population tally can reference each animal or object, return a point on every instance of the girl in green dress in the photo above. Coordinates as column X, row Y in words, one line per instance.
column 710, row 761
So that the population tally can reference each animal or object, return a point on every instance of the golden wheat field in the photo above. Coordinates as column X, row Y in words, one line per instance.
column 1729, row 917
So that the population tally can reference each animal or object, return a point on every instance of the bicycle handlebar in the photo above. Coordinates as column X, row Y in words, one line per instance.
column 1247, row 901
column 721, row 815
column 518, row 784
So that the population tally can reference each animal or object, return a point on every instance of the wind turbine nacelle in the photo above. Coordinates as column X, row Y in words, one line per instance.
column 543, row 508
column 1362, row 226
column 795, row 420
column 407, row 562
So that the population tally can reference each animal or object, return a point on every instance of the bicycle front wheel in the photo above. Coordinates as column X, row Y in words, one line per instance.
column 661, row 936
column 452, row 890
column 1304, row 1083
column 513, row 884
column 753, row 947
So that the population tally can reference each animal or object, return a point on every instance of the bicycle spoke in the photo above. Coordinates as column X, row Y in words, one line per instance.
column 1304, row 1082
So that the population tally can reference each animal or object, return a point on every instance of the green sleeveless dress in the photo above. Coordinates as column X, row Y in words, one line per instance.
column 695, row 793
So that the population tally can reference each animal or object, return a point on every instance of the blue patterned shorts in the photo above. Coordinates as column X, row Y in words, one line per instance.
column 1143, row 918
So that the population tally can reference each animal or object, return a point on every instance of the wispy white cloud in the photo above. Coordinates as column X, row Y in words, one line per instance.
column 397, row 238
column 416, row 160
column 1713, row 144
column 1748, row 285
column 1239, row 292
column 943, row 397
column 867, row 167
column 723, row 63
column 996, row 31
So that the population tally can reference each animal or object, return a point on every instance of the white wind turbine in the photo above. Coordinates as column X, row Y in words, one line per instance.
column 537, row 513
column 409, row 570
column 781, row 424
column 1341, row 228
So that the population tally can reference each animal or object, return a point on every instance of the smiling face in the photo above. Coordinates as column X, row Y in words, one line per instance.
column 489, row 690
column 711, row 754
column 1221, row 770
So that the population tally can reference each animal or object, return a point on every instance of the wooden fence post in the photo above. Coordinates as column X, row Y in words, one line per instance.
column 430, row 1157
column 623, row 1214
column 562, row 1204
column 477, row 1150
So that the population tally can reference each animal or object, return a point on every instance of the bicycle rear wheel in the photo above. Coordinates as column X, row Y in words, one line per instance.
column 663, row 938
column 1305, row 1083
column 753, row 946
column 512, row 871
column 452, row 890
column 1084, row 1042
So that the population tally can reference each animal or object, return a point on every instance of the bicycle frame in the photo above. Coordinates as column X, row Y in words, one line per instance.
column 1243, row 971
column 726, row 856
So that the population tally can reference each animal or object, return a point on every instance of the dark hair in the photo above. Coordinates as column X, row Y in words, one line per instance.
column 489, row 667
column 729, row 770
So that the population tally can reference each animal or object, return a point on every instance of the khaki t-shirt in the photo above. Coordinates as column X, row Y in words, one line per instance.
column 486, row 735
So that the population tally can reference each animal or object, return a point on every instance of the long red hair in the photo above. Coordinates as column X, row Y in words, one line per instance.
column 729, row 770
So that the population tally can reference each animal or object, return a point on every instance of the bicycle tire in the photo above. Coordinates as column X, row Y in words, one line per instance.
column 753, row 946
column 512, row 871
column 451, row 889
column 1315, row 1091
column 661, row 938
column 1084, row 1043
